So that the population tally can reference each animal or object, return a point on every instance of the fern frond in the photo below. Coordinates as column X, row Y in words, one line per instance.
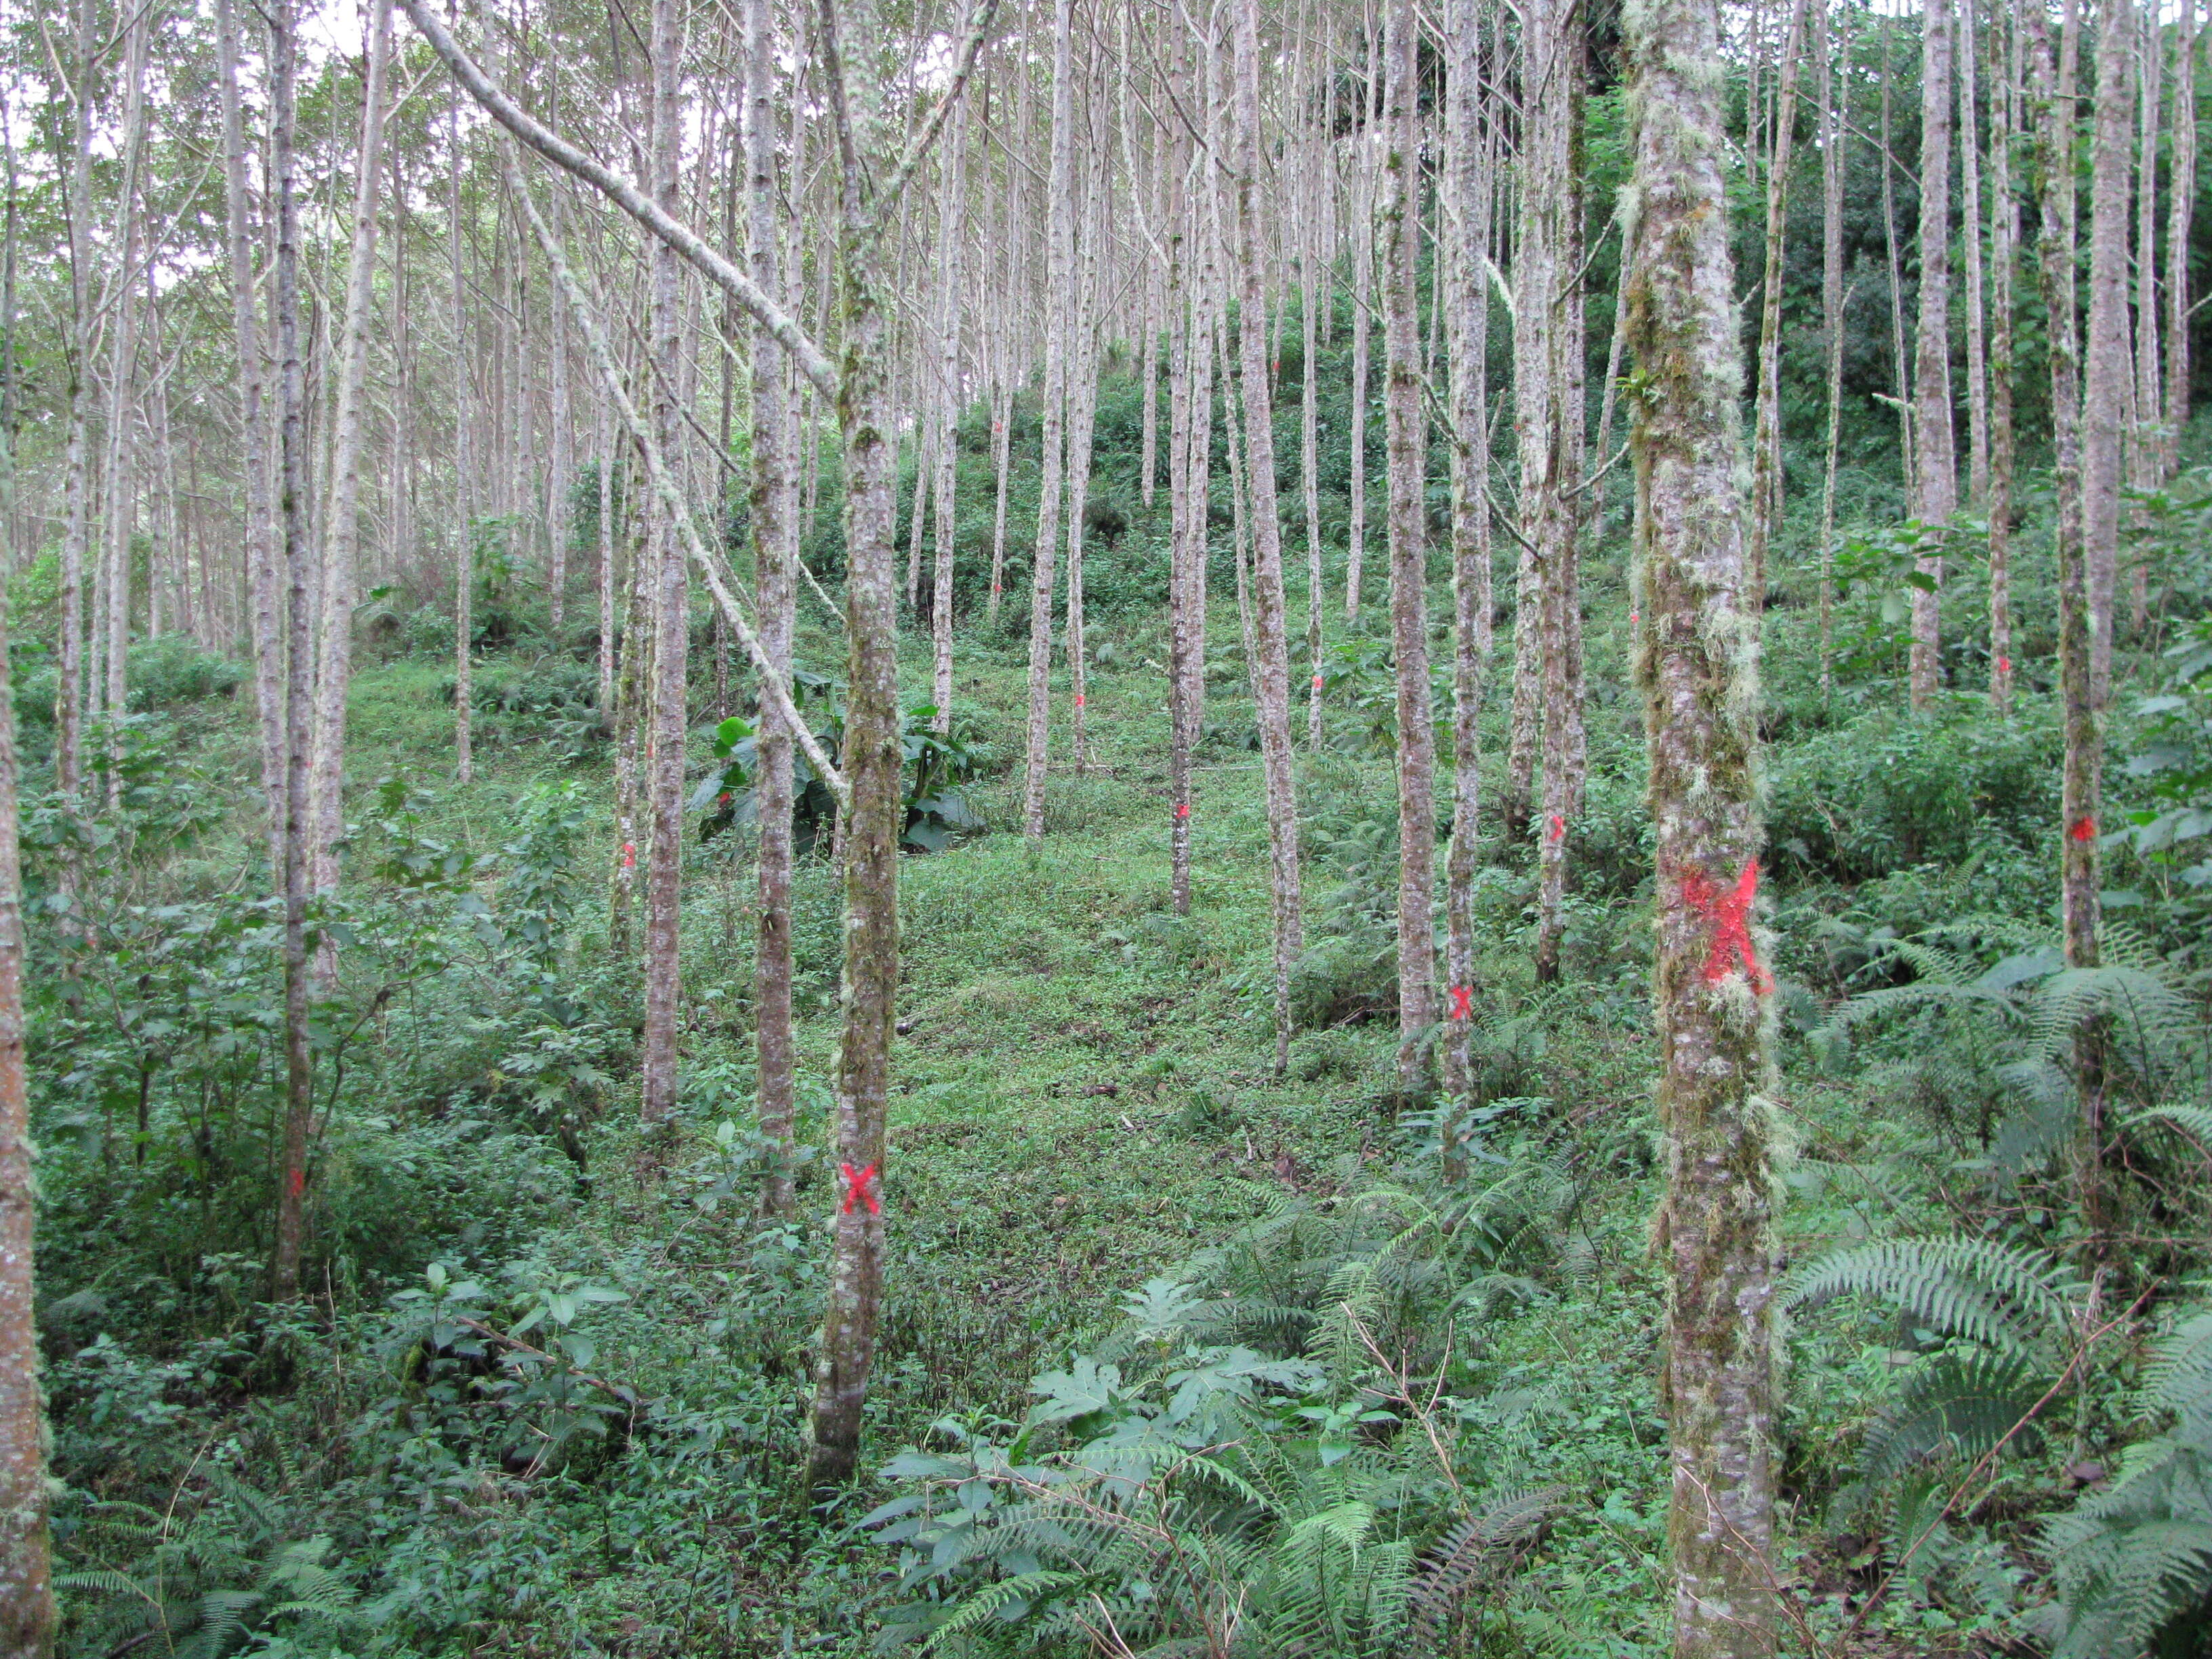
column 2004, row 1298
column 1959, row 1404
column 987, row 1601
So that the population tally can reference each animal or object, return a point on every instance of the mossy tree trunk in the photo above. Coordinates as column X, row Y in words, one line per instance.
column 1695, row 658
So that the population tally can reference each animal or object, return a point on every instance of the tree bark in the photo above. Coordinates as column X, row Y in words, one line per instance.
column 1060, row 259
column 300, row 582
column 670, row 608
column 464, row 462
column 1406, row 439
column 1935, row 492
column 1970, row 242
column 114, row 606
column 342, row 522
column 952, row 244
column 1833, row 298
column 2181, row 199
column 1467, row 184
column 2004, row 240
column 1273, row 672
column 1766, row 441
column 775, row 587
column 1696, row 652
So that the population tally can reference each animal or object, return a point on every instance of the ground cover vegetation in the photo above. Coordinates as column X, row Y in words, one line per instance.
column 1242, row 830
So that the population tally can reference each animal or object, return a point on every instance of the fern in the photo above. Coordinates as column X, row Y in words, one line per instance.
column 2010, row 1299
column 1470, row 1555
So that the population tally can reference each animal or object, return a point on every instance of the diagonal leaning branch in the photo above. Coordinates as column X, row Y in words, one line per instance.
column 774, row 688
column 817, row 369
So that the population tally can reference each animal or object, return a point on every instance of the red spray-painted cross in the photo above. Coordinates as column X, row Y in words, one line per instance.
column 1729, row 910
column 1463, row 1006
column 2084, row 830
column 1182, row 809
column 1559, row 828
column 860, row 1188
column 1079, row 700
column 629, row 855
column 299, row 1182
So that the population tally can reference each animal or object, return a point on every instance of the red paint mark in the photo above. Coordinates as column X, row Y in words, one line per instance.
column 722, row 799
column 2004, row 664
column 1079, row 700
column 1632, row 619
column 1182, row 809
column 1463, row 1006
column 860, row 1188
column 299, row 1182
column 2084, row 830
column 1729, row 908
column 1558, row 829
column 629, row 855
column 1317, row 682
column 995, row 589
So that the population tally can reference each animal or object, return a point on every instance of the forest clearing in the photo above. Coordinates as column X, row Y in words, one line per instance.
column 1241, row 830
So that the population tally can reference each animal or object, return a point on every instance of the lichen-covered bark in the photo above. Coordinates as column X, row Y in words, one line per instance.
column 872, row 761
column 299, row 564
column 1059, row 255
column 2181, row 205
column 1272, row 672
column 1186, row 416
column 1695, row 658
column 952, row 243
column 1467, row 183
column 669, row 611
column 1406, row 437
column 2004, row 240
column 775, row 586
column 341, row 525
column 1935, row 485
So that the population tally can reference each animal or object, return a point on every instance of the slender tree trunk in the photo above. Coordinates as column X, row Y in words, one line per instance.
column 952, row 243
column 76, row 532
column 1467, row 184
column 464, row 462
column 2107, row 364
column 1833, row 298
column 1186, row 417
column 1901, row 372
column 299, row 580
column 606, row 454
column 1272, row 674
column 872, row 764
column 1086, row 306
column 121, row 409
column 29, row 1619
column 1407, row 444
column 2144, row 448
column 1362, row 288
column 775, row 583
column 2004, row 240
column 1969, row 183
column 342, row 526
column 1309, row 292
column 2181, row 198
column 1936, row 493
column 1766, row 441
column 1060, row 257
column 1696, row 656
column 669, row 608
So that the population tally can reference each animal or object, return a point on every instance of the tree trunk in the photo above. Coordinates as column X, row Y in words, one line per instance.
column 775, row 586
column 77, row 531
column 1696, row 654
column 464, row 462
column 2181, row 166
column 1936, row 491
column 342, row 525
column 1970, row 241
column 29, row 1619
column 2145, row 448
column 1900, row 372
column 1060, row 257
column 1407, row 438
column 1189, row 421
column 1363, row 288
column 669, row 609
column 1833, row 298
column 1467, row 184
column 1273, row 672
column 952, row 244
column 2004, row 240
column 299, row 581
column 1766, row 441
column 122, row 414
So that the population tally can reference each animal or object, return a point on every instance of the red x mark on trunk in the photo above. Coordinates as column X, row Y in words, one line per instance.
column 2084, row 830
column 1730, row 911
column 1182, row 809
column 1463, row 1006
column 1559, row 828
column 860, row 1188
column 629, row 855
